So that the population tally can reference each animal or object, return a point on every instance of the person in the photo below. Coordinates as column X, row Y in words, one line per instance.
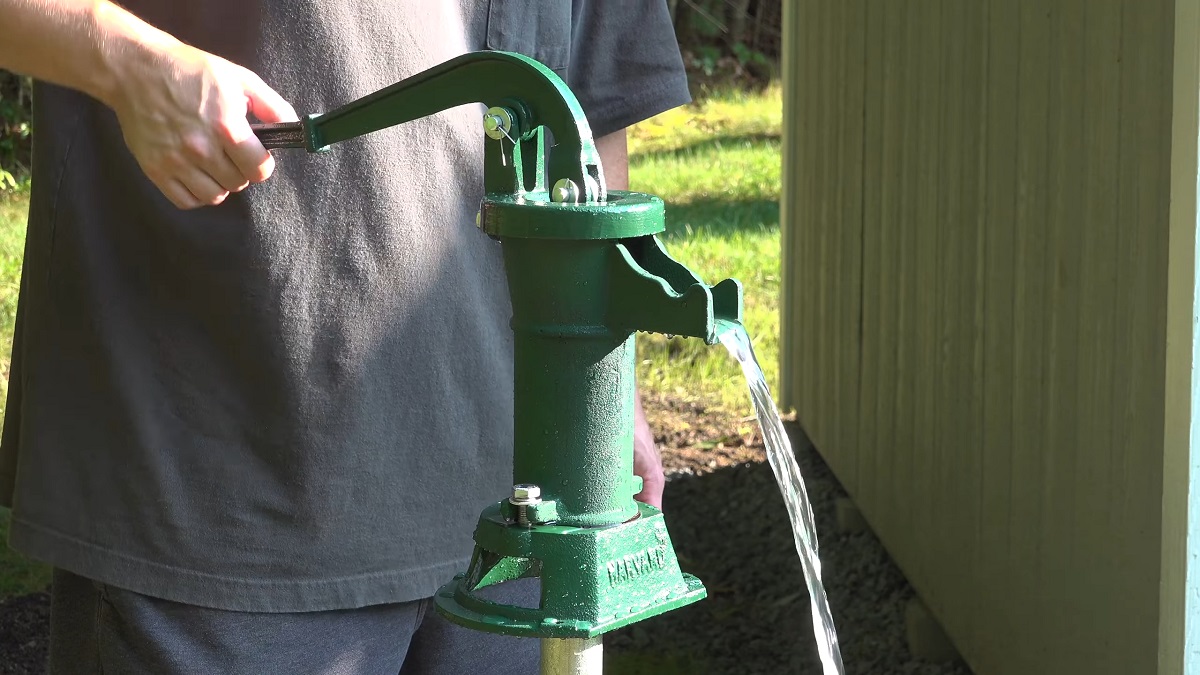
column 257, row 402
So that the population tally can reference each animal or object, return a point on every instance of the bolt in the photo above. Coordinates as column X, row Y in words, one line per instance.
column 525, row 492
column 525, row 495
column 565, row 190
column 497, row 122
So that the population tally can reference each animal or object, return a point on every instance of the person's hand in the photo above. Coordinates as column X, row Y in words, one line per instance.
column 183, row 113
column 647, row 463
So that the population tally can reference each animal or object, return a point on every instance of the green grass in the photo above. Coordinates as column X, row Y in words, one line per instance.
column 717, row 165
column 13, row 207
column 715, row 162
column 18, row 574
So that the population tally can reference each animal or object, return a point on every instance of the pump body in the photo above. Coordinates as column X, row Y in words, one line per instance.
column 586, row 271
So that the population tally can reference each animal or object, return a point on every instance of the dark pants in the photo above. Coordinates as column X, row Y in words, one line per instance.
column 96, row 628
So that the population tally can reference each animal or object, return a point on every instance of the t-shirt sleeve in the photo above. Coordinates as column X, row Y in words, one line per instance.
column 625, row 64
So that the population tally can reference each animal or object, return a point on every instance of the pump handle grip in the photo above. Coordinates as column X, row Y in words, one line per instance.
column 280, row 135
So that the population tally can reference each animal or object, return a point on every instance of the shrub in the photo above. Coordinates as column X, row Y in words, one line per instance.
column 15, row 131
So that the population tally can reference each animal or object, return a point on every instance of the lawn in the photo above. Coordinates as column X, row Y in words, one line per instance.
column 717, row 165
column 715, row 162
column 17, row 574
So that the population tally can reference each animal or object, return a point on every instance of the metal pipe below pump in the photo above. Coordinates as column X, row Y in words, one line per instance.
column 573, row 656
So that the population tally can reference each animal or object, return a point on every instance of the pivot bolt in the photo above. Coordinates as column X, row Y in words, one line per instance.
column 565, row 190
column 497, row 122
column 525, row 495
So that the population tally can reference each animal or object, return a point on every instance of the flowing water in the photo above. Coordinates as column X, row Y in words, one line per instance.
column 791, row 484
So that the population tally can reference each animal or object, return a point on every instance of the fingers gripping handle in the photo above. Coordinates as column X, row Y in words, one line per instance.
column 281, row 135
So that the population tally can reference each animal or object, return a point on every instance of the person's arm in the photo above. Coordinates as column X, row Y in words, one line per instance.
column 647, row 462
column 182, row 111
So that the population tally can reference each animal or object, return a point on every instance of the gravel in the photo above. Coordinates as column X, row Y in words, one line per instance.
column 729, row 527
column 24, row 634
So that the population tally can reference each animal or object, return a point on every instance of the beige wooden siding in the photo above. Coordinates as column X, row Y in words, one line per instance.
column 975, row 247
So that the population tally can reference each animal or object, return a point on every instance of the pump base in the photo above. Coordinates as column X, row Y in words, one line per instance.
column 594, row 579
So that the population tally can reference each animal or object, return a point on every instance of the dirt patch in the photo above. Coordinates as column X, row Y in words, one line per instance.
column 696, row 439
column 729, row 527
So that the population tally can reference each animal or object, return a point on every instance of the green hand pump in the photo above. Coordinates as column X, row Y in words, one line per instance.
column 585, row 271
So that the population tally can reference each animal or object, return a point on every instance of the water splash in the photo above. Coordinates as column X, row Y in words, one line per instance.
column 787, row 473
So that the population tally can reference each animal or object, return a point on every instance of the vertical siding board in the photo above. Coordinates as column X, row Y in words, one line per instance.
column 1122, row 425
column 807, row 208
column 791, row 367
column 1095, row 238
column 850, row 231
column 837, row 227
column 1040, row 102
column 1149, row 32
column 794, row 210
column 1060, row 447
column 806, row 225
column 928, row 524
column 1179, row 600
column 830, row 223
column 819, row 144
column 954, row 455
column 1003, row 44
column 816, row 225
column 826, row 230
column 907, row 349
column 887, row 440
column 867, row 492
column 975, row 206
column 811, row 223
column 946, row 234
column 851, row 227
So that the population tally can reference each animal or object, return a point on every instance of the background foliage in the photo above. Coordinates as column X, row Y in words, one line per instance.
column 729, row 41
column 15, row 130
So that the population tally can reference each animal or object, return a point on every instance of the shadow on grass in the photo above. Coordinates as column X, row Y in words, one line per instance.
column 18, row 575
column 721, row 218
column 709, row 144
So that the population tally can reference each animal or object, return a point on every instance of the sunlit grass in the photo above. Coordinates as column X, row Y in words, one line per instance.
column 717, row 165
column 723, row 114
column 18, row 574
column 13, row 209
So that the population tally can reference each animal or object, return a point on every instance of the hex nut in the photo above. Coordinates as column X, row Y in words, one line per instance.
column 525, row 493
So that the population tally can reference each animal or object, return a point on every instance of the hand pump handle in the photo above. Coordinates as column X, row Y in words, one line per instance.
column 531, row 93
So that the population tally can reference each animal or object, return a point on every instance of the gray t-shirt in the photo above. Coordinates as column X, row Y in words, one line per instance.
column 300, row 399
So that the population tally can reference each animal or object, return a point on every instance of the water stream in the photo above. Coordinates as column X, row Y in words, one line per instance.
column 791, row 484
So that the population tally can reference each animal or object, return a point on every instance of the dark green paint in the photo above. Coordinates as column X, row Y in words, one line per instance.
column 594, row 579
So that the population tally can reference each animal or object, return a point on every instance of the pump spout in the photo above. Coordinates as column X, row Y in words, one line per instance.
column 651, row 291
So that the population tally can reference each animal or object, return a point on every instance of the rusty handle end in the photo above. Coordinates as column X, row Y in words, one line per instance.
column 281, row 135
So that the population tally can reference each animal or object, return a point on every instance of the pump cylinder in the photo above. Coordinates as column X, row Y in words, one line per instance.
column 573, row 370
column 574, row 381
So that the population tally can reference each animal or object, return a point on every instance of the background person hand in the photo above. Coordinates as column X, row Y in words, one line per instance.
column 647, row 462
